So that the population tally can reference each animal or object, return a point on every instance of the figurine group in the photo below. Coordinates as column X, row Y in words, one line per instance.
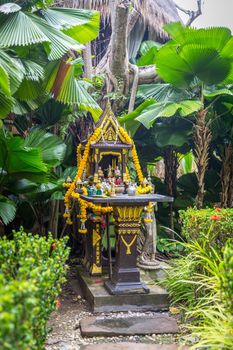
column 111, row 186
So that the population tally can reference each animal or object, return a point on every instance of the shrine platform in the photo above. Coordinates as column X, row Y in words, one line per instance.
column 100, row 300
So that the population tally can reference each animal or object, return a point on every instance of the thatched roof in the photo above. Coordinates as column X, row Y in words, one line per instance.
column 154, row 13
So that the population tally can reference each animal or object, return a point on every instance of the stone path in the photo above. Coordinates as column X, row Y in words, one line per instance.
column 133, row 346
column 65, row 332
column 157, row 323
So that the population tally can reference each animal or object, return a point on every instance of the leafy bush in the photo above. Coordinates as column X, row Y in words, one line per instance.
column 210, row 227
column 32, row 271
column 213, row 314
column 202, row 279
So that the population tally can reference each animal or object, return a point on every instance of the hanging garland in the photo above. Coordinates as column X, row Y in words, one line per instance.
column 82, row 164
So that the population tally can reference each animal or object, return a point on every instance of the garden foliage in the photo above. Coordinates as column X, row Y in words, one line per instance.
column 32, row 271
column 202, row 280
column 209, row 227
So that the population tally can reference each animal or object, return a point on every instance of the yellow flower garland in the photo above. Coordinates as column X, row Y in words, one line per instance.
column 128, row 140
column 82, row 163
column 144, row 190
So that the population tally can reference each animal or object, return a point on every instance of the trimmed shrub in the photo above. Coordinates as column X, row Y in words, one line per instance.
column 210, row 227
column 32, row 271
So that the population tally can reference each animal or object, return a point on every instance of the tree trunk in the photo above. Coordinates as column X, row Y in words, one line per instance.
column 226, row 176
column 202, row 144
column 171, row 166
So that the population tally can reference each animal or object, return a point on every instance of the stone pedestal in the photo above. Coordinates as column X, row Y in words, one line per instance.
column 127, row 212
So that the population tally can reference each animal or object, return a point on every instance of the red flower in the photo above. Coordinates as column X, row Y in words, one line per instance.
column 215, row 217
column 58, row 304
column 218, row 209
column 54, row 246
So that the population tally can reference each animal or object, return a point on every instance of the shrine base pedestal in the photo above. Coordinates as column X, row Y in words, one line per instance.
column 126, row 288
column 100, row 300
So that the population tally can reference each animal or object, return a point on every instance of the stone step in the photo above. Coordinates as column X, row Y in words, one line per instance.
column 133, row 346
column 111, row 326
column 101, row 301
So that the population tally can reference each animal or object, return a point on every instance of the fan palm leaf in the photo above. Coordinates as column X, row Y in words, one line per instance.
column 58, row 43
column 13, row 68
column 16, row 158
column 196, row 54
column 52, row 148
column 81, row 25
column 18, row 29
column 70, row 90
column 7, row 210
column 6, row 104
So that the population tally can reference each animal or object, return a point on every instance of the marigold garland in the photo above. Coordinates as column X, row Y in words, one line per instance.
column 144, row 190
column 82, row 163
column 129, row 141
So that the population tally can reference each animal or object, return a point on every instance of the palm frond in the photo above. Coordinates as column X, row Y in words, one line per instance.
column 59, row 43
column 71, row 91
column 18, row 29
column 7, row 210
column 81, row 25
column 52, row 148
column 6, row 104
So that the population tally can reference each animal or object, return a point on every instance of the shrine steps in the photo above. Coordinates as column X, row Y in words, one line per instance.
column 100, row 300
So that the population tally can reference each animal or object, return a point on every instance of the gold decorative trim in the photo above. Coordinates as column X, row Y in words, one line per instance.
column 95, row 269
column 128, row 245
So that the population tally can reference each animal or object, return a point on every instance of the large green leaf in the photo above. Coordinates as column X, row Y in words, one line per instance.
column 82, row 25
column 7, row 210
column 58, row 43
column 162, row 92
column 203, row 54
column 6, row 104
column 72, row 91
column 213, row 91
column 14, row 69
column 16, row 158
column 214, row 37
column 130, row 120
column 4, row 82
column 172, row 68
column 29, row 90
column 18, row 29
column 157, row 110
column 52, row 148
column 148, row 51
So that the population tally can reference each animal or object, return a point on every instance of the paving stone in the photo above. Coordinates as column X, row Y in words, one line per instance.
column 106, row 326
column 133, row 346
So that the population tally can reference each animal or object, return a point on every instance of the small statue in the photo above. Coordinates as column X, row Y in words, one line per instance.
column 113, row 191
column 109, row 171
column 151, row 184
column 99, row 190
column 118, row 181
column 100, row 173
column 117, row 172
column 79, row 185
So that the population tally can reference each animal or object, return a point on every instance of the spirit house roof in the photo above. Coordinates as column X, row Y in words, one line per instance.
column 111, row 132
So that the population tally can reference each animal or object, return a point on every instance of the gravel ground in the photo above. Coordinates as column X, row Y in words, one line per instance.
column 64, row 324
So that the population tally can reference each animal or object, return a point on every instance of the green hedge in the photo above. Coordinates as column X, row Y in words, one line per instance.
column 210, row 227
column 32, row 271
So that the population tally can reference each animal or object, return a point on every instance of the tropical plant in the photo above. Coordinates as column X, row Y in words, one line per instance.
column 32, row 34
column 198, row 68
column 32, row 271
column 26, row 166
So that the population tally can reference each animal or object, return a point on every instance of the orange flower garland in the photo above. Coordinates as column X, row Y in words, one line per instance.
column 129, row 141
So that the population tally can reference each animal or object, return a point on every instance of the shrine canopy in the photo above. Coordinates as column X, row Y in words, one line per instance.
column 105, row 155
